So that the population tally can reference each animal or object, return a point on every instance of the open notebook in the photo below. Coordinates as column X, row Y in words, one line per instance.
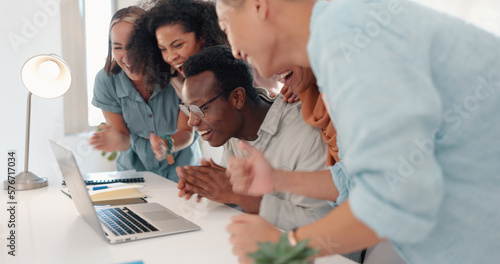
column 129, row 176
column 114, row 193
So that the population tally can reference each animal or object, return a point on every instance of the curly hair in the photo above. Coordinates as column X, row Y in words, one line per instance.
column 230, row 73
column 196, row 16
column 129, row 14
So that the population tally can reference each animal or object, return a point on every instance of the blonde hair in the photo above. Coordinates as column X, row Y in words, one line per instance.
column 130, row 14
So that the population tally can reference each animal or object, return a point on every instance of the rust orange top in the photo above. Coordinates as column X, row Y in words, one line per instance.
column 315, row 114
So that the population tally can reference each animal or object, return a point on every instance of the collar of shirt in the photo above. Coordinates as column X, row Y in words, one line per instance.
column 271, row 123
column 125, row 88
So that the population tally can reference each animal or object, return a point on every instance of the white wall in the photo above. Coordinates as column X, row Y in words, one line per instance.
column 28, row 28
column 125, row 3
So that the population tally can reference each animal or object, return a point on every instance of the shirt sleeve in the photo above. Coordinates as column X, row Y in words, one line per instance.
column 105, row 96
column 386, row 111
column 287, row 210
column 227, row 153
column 342, row 182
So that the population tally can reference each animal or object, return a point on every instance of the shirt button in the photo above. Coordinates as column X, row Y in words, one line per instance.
column 150, row 115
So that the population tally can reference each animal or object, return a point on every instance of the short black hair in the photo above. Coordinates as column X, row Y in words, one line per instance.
column 230, row 73
column 196, row 16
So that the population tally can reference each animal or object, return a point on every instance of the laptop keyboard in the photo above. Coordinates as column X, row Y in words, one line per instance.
column 122, row 221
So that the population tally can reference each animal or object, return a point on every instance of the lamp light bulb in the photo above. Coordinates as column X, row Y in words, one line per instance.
column 49, row 70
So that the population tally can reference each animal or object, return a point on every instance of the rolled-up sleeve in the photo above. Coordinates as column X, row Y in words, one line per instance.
column 342, row 183
column 287, row 210
column 105, row 96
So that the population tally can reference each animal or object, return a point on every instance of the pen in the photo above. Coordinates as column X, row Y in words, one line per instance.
column 99, row 188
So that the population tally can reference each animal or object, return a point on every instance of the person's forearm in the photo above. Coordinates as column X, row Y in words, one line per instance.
column 338, row 232
column 124, row 142
column 116, row 123
column 316, row 184
column 292, row 210
column 249, row 204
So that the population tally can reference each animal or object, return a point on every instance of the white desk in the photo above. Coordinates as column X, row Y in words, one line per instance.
column 50, row 230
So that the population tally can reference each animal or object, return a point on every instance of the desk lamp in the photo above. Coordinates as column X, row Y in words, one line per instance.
column 46, row 76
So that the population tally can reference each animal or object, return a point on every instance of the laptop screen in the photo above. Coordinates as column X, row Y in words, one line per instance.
column 76, row 185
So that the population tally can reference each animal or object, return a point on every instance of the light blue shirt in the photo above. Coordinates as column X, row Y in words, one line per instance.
column 415, row 97
column 117, row 94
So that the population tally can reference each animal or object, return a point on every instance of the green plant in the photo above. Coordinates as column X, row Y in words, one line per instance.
column 283, row 253
column 113, row 154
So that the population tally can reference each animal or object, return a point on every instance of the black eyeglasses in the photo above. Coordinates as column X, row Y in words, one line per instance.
column 197, row 110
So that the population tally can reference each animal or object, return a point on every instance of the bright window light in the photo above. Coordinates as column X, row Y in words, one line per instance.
column 97, row 17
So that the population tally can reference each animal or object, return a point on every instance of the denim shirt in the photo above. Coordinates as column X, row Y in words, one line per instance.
column 117, row 94
column 415, row 97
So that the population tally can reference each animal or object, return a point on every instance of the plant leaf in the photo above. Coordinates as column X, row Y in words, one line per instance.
column 113, row 156
column 282, row 252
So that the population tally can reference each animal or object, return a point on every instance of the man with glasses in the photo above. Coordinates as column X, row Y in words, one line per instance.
column 224, row 107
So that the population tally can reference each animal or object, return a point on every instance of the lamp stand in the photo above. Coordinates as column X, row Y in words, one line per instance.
column 27, row 180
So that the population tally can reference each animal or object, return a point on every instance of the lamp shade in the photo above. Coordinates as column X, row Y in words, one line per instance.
column 46, row 76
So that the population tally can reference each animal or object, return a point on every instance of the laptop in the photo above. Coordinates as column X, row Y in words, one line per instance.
column 121, row 223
